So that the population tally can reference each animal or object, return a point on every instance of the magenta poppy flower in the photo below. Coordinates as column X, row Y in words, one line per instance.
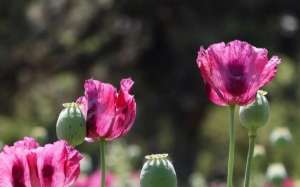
column 234, row 72
column 288, row 183
column 94, row 180
column 109, row 113
column 25, row 164
column 14, row 168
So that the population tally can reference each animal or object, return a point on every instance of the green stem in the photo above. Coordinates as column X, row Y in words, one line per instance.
column 230, row 165
column 252, row 137
column 102, row 162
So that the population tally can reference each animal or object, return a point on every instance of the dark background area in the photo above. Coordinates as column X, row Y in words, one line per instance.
column 49, row 47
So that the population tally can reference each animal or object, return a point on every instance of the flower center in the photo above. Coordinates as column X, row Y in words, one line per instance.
column 236, row 82
column 236, row 69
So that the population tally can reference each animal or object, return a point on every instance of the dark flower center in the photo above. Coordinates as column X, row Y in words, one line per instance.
column 18, row 175
column 236, row 81
column 236, row 69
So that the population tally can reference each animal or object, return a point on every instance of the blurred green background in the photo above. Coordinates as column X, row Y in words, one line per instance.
column 49, row 47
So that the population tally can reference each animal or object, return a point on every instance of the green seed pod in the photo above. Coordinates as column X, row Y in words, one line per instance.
column 70, row 124
column 281, row 137
column 256, row 114
column 158, row 171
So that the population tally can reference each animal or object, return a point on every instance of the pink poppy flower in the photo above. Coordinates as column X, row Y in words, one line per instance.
column 25, row 164
column 94, row 180
column 234, row 72
column 14, row 168
column 288, row 183
column 109, row 114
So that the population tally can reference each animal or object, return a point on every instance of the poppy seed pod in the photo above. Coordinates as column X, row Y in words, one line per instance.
column 158, row 171
column 276, row 173
column 256, row 114
column 281, row 137
column 70, row 124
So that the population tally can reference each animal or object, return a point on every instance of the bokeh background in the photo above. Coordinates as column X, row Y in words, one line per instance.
column 49, row 47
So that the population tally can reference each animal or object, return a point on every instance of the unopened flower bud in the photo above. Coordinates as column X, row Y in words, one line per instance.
column 158, row 171
column 70, row 124
column 280, row 137
column 256, row 114
column 276, row 173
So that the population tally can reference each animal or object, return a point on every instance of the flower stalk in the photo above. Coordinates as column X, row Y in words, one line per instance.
column 252, row 137
column 230, row 165
column 102, row 162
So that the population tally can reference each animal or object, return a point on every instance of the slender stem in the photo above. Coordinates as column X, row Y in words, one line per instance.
column 230, row 165
column 252, row 137
column 102, row 162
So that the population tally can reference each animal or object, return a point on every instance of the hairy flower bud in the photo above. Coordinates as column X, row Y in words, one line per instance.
column 158, row 171
column 70, row 124
column 256, row 114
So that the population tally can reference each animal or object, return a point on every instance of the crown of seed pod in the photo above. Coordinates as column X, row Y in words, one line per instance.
column 70, row 124
column 256, row 114
column 158, row 171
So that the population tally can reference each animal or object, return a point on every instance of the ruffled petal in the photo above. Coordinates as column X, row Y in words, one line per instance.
column 109, row 114
column 83, row 105
column 125, row 111
column 50, row 164
column 214, row 97
column 54, row 165
column 269, row 71
column 14, row 169
column 27, row 143
column 212, row 72
column 72, row 166
column 34, row 175
column 101, row 108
